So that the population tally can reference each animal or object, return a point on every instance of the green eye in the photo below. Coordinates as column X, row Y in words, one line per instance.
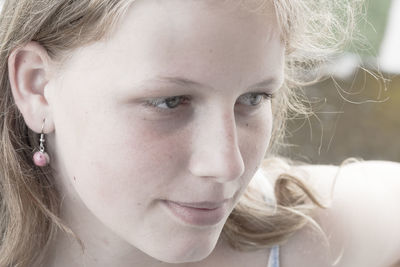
column 254, row 99
column 165, row 104
column 173, row 102
column 169, row 102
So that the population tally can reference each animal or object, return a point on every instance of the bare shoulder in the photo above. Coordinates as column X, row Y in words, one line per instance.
column 361, row 222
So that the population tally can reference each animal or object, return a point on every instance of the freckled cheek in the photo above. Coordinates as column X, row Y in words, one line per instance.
column 259, row 128
column 155, row 143
column 144, row 158
column 254, row 139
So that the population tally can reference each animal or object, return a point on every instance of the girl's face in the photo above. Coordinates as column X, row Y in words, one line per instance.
column 173, row 108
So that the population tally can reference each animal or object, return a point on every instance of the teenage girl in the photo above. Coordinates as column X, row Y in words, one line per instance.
column 143, row 133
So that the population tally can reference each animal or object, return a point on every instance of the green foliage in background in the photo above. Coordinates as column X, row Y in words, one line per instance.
column 373, row 29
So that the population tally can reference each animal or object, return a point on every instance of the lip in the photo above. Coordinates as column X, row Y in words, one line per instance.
column 198, row 213
column 207, row 205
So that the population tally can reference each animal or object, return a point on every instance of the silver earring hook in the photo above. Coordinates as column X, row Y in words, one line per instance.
column 41, row 146
column 44, row 120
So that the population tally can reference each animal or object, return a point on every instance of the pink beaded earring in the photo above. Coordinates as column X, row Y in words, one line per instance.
column 41, row 158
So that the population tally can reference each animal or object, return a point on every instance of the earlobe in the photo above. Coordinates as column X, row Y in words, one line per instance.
column 29, row 73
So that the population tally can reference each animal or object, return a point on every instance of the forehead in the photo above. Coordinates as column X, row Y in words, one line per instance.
column 182, row 19
column 198, row 40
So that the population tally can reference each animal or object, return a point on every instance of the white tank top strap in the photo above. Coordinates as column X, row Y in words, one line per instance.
column 274, row 257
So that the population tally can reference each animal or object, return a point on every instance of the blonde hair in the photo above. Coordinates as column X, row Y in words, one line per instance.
column 29, row 202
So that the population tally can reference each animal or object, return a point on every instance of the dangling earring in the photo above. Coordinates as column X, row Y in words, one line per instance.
column 41, row 158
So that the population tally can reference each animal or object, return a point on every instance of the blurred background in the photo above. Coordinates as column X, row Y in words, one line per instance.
column 357, row 111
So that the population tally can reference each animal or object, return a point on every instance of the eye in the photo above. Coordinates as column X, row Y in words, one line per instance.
column 254, row 99
column 168, row 103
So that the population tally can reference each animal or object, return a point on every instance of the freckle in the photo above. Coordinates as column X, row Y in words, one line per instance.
column 74, row 178
column 247, row 125
column 105, row 241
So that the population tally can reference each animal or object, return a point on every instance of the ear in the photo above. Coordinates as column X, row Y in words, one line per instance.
column 29, row 73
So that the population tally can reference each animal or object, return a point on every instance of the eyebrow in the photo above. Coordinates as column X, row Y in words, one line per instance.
column 190, row 83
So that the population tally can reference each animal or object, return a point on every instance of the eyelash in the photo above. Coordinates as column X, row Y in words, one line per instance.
column 154, row 103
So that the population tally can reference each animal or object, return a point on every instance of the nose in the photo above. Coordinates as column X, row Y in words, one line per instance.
column 215, row 148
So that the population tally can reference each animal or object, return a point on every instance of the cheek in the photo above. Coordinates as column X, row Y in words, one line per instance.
column 133, row 162
column 254, row 134
column 254, row 137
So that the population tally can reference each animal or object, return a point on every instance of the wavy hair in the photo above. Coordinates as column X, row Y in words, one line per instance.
column 29, row 202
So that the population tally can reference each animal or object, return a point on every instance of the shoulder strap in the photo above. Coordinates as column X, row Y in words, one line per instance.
column 274, row 257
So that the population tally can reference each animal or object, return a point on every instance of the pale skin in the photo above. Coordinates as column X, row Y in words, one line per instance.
column 116, row 158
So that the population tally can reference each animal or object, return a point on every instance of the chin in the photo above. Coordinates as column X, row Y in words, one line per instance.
column 194, row 255
column 194, row 250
